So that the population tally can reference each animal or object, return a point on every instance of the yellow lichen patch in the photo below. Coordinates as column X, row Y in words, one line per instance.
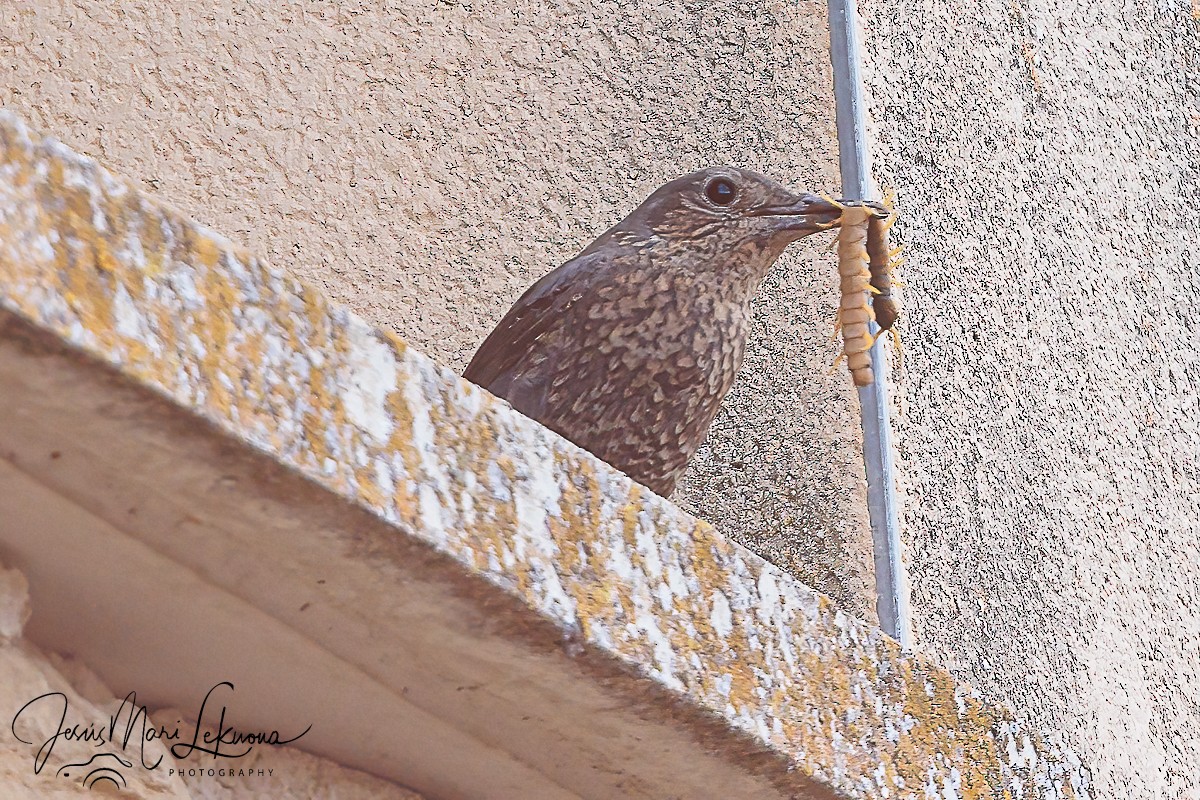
column 601, row 604
column 575, row 538
column 370, row 491
column 146, row 224
column 568, row 533
column 709, row 554
column 119, row 217
column 629, row 512
column 398, row 345
column 493, row 539
column 89, row 285
column 19, row 272
column 215, row 320
column 404, row 497
column 312, row 419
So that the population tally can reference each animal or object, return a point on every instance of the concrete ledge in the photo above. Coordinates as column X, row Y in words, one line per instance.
column 210, row 471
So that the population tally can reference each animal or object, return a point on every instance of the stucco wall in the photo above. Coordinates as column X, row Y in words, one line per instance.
column 1046, row 155
column 426, row 161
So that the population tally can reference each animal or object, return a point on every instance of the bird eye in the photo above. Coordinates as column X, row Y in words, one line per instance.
column 721, row 191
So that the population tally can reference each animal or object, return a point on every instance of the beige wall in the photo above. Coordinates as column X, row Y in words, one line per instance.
column 1046, row 156
column 428, row 161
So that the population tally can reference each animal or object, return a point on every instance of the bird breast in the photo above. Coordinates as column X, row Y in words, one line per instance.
column 640, row 375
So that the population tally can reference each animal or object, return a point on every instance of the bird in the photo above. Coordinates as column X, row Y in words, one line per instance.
column 628, row 348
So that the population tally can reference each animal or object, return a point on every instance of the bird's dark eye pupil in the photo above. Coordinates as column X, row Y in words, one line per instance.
column 720, row 191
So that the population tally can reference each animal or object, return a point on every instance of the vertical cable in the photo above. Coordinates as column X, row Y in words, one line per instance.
column 891, row 581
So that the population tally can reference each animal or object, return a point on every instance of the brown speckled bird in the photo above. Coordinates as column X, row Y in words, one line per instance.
column 628, row 348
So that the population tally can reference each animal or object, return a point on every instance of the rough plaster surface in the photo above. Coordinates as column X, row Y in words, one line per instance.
column 268, row 361
column 426, row 161
column 1047, row 157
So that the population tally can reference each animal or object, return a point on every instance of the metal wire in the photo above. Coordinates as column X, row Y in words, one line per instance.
column 854, row 155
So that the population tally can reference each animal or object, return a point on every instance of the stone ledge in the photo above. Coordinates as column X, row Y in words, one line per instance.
column 404, row 542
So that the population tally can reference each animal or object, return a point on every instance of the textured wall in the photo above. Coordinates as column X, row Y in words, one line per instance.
column 1046, row 155
column 425, row 162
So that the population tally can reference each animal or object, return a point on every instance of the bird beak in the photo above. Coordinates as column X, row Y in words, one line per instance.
column 810, row 213
column 806, row 214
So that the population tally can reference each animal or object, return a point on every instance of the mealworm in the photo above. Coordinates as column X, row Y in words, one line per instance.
column 883, row 262
column 854, row 314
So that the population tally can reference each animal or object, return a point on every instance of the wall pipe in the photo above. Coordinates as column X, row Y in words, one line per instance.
column 891, row 580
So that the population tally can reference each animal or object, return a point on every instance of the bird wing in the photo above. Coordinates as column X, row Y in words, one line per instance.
column 497, row 364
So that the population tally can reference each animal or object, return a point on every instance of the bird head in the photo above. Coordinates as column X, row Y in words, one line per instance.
column 724, row 210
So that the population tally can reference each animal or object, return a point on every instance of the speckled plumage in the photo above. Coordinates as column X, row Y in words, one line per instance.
column 629, row 348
